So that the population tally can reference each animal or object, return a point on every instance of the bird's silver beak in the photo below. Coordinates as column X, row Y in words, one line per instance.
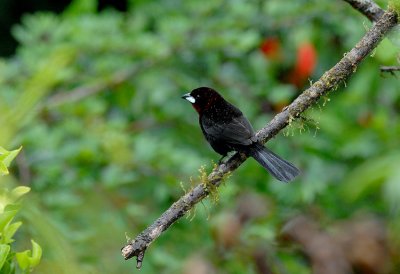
column 189, row 97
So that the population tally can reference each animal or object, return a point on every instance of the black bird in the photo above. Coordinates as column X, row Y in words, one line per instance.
column 226, row 129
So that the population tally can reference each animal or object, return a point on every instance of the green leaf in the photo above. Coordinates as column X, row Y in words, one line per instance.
column 36, row 254
column 19, row 191
column 11, row 155
column 3, row 169
column 4, row 250
column 26, row 260
column 9, row 232
column 6, row 157
column 10, row 207
column 23, row 259
column 6, row 217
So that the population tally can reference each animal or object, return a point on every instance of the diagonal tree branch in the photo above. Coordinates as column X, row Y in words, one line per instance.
column 331, row 79
column 367, row 7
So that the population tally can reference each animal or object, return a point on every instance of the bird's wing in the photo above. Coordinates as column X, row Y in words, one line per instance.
column 238, row 131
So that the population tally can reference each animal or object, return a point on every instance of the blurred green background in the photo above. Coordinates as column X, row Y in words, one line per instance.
column 93, row 96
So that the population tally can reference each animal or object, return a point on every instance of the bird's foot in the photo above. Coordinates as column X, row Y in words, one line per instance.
column 224, row 159
column 221, row 161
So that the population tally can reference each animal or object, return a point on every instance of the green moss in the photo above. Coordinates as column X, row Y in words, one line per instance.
column 395, row 6
column 210, row 186
column 301, row 124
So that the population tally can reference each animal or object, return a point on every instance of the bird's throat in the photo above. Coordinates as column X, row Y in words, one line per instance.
column 205, row 107
column 197, row 108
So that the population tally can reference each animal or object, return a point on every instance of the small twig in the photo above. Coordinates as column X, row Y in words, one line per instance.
column 367, row 7
column 389, row 69
column 332, row 78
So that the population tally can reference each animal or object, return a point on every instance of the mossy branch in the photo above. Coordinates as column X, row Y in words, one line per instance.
column 331, row 79
column 367, row 7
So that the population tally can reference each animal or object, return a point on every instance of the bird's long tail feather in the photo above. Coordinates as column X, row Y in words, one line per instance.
column 278, row 167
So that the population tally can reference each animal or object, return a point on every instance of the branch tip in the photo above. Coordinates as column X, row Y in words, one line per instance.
column 127, row 251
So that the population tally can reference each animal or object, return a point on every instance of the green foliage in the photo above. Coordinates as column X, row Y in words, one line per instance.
column 9, row 207
column 94, row 98
column 394, row 5
column 29, row 259
column 5, row 159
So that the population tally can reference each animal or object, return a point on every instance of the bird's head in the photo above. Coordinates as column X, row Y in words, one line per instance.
column 202, row 98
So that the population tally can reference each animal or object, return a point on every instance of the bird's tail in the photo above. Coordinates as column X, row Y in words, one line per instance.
column 279, row 168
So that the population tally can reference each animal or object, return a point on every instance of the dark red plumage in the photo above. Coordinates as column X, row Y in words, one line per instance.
column 226, row 129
